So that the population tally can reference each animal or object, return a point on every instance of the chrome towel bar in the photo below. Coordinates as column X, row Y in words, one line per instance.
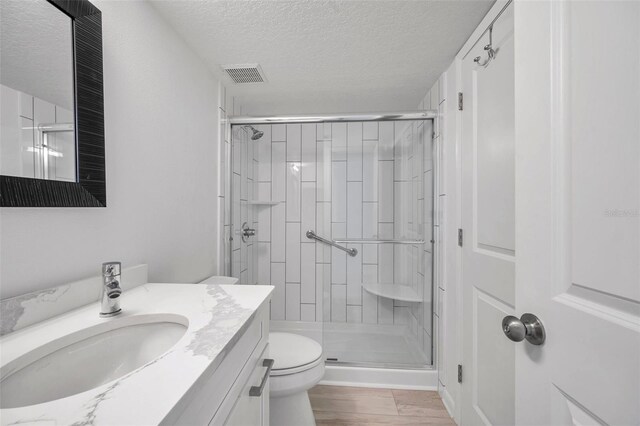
column 313, row 236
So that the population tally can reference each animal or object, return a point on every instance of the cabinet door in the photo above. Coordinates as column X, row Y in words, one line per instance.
column 253, row 410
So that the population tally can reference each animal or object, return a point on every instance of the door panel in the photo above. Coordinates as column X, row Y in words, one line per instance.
column 493, row 390
column 488, row 218
column 578, row 227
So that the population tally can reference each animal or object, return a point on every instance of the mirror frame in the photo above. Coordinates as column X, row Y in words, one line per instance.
column 89, row 190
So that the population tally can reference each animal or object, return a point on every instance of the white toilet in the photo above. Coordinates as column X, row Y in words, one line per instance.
column 298, row 366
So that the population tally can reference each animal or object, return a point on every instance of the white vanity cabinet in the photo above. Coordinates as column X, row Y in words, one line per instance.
column 223, row 398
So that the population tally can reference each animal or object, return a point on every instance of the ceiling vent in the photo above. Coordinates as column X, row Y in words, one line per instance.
column 245, row 73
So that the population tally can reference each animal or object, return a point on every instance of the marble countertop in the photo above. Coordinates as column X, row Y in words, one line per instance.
column 217, row 316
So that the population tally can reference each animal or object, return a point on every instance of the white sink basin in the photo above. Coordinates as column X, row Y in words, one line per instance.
column 88, row 358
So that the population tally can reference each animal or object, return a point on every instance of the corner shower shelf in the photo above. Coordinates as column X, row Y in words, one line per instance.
column 263, row 203
column 393, row 291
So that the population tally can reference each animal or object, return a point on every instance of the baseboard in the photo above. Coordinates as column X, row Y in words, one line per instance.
column 380, row 378
column 448, row 402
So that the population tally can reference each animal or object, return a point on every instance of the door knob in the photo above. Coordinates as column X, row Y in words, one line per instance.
column 527, row 327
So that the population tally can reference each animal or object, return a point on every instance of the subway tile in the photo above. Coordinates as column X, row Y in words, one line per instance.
column 370, row 130
column 294, row 135
column 338, row 303
column 354, row 151
column 292, row 302
column 325, row 276
column 354, row 314
column 385, row 191
column 402, row 265
column 278, row 232
column 278, row 296
column 308, row 312
column 307, row 272
column 427, row 345
column 236, row 209
column 339, row 142
column 385, row 231
column 370, row 220
column 386, row 140
column 338, row 191
column 338, row 266
column 308, row 209
column 278, row 172
column 263, row 147
column 323, row 131
column 385, row 263
column 323, row 228
column 293, row 192
column 354, row 210
column 308, row 152
column 278, row 133
column 370, row 253
column 428, row 145
column 370, row 171
column 264, row 213
column 354, row 276
column 338, row 230
column 264, row 263
column 293, row 252
column 319, row 274
column 252, row 265
column 369, row 301
column 323, row 170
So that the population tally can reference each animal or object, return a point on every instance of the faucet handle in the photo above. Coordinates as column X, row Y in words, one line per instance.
column 111, row 269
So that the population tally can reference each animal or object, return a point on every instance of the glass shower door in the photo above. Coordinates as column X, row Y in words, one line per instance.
column 366, row 186
column 375, row 196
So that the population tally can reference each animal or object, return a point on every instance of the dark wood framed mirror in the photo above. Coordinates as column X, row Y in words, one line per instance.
column 84, row 184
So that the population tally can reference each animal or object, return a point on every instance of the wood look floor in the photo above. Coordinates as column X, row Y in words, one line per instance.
column 338, row 405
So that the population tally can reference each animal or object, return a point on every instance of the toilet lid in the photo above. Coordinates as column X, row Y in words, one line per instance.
column 292, row 350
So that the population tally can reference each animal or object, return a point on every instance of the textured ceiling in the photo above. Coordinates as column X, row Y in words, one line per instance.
column 328, row 56
column 36, row 51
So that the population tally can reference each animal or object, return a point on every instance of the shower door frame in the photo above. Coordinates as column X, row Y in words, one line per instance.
column 418, row 115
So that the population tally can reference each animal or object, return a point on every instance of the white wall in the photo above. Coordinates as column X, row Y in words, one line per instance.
column 161, row 119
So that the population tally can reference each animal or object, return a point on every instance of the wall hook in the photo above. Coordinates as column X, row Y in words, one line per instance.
column 489, row 49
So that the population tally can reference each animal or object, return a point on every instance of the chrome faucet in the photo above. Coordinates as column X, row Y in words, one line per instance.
column 111, row 290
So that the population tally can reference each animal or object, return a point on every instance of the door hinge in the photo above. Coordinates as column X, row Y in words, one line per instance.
column 460, row 101
column 460, row 237
column 459, row 373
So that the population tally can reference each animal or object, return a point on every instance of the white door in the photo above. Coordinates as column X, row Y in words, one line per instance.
column 488, row 223
column 578, row 210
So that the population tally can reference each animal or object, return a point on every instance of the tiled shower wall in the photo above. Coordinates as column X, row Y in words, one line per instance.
column 361, row 180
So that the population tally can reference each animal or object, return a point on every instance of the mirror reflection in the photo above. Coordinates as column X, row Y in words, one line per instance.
column 37, row 135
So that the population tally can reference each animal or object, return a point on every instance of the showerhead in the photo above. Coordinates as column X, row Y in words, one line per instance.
column 257, row 134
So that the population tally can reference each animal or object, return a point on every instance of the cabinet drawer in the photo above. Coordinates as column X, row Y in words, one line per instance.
column 252, row 408
column 208, row 398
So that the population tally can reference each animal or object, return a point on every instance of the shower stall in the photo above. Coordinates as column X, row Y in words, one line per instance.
column 336, row 212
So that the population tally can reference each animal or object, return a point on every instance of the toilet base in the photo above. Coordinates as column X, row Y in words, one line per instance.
column 291, row 410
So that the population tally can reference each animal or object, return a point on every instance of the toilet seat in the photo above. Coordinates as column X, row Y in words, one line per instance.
column 298, row 366
column 293, row 353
